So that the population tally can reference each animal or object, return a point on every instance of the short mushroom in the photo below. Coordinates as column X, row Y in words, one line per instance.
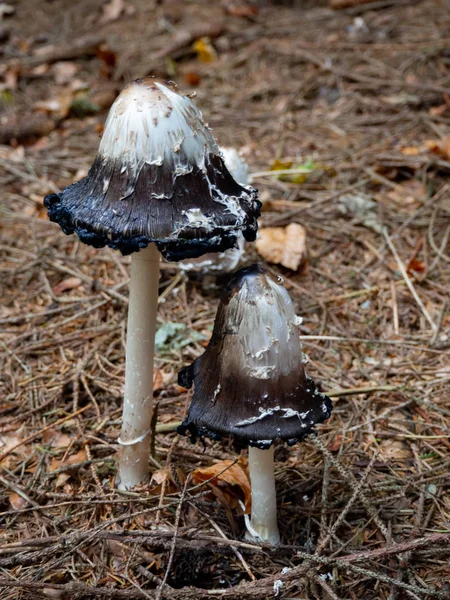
column 158, row 182
column 250, row 384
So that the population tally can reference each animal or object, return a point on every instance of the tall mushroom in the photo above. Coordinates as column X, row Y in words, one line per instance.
column 158, row 183
column 250, row 384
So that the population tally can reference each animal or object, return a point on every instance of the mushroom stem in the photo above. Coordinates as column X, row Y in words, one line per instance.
column 140, row 346
column 264, row 499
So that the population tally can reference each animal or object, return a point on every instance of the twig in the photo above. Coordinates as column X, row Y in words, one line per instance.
column 439, row 322
column 17, row 490
column 318, row 579
column 174, row 541
column 356, row 492
column 348, row 476
column 394, row 308
column 408, row 281
column 223, row 536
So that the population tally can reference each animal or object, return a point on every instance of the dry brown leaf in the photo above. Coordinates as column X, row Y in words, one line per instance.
column 17, row 502
column 16, row 155
column 192, row 78
column 62, row 479
column 64, row 71
column 158, row 379
column 56, row 439
column 59, row 105
column 416, row 266
column 236, row 475
column 408, row 192
column 240, row 9
column 68, row 460
column 410, row 150
column 165, row 477
column 394, row 450
column 440, row 147
column 283, row 246
column 67, row 284
column 10, row 440
column 160, row 476
column 335, row 443
column 438, row 111
column 112, row 11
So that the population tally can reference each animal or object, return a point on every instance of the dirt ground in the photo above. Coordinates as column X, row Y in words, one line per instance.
column 361, row 97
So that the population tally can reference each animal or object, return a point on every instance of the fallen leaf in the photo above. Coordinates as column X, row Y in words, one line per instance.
column 192, row 78
column 408, row 192
column 438, row 111
column 228, row 479
column 283, row 246
column 64, row 71
column 16, row 155
column 108, row 59
column 59, row 105
column 70, row 283
column 17, row 502
column 160, row 476
column 335, row 443
column 10, row 77
column 10, row 440
column 62, row 479
column 205, row 50
column 393, row 450
column 158, row 380
column 68, row 460
column 298, row 173
column 112, row 11
column 440, row 147
column 415, row 266
column 56, row 439
column 410, row 150
column 240, row 10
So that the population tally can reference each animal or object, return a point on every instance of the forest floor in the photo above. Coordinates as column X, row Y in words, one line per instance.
column 361, row 97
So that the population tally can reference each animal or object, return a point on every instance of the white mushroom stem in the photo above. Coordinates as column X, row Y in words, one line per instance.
column 140, row 346
column 264, row 499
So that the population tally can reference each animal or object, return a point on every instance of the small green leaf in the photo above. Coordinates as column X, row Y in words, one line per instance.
column 174, row 336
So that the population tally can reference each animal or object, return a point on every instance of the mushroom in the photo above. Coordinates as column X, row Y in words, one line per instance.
column 221, row 263
column 158, row 183
column 250, row 384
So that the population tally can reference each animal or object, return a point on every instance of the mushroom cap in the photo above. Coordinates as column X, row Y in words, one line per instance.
column 158, row 177
column 250, row 383
column 221, row 263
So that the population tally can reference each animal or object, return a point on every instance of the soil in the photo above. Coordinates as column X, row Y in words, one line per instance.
column 361, row 98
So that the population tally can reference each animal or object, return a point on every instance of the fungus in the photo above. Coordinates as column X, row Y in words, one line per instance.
column 158, row 183
column 221, row 263
column 250, row 384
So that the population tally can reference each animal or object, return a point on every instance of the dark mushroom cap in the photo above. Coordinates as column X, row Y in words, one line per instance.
column 250, row 383
column 158, row 177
